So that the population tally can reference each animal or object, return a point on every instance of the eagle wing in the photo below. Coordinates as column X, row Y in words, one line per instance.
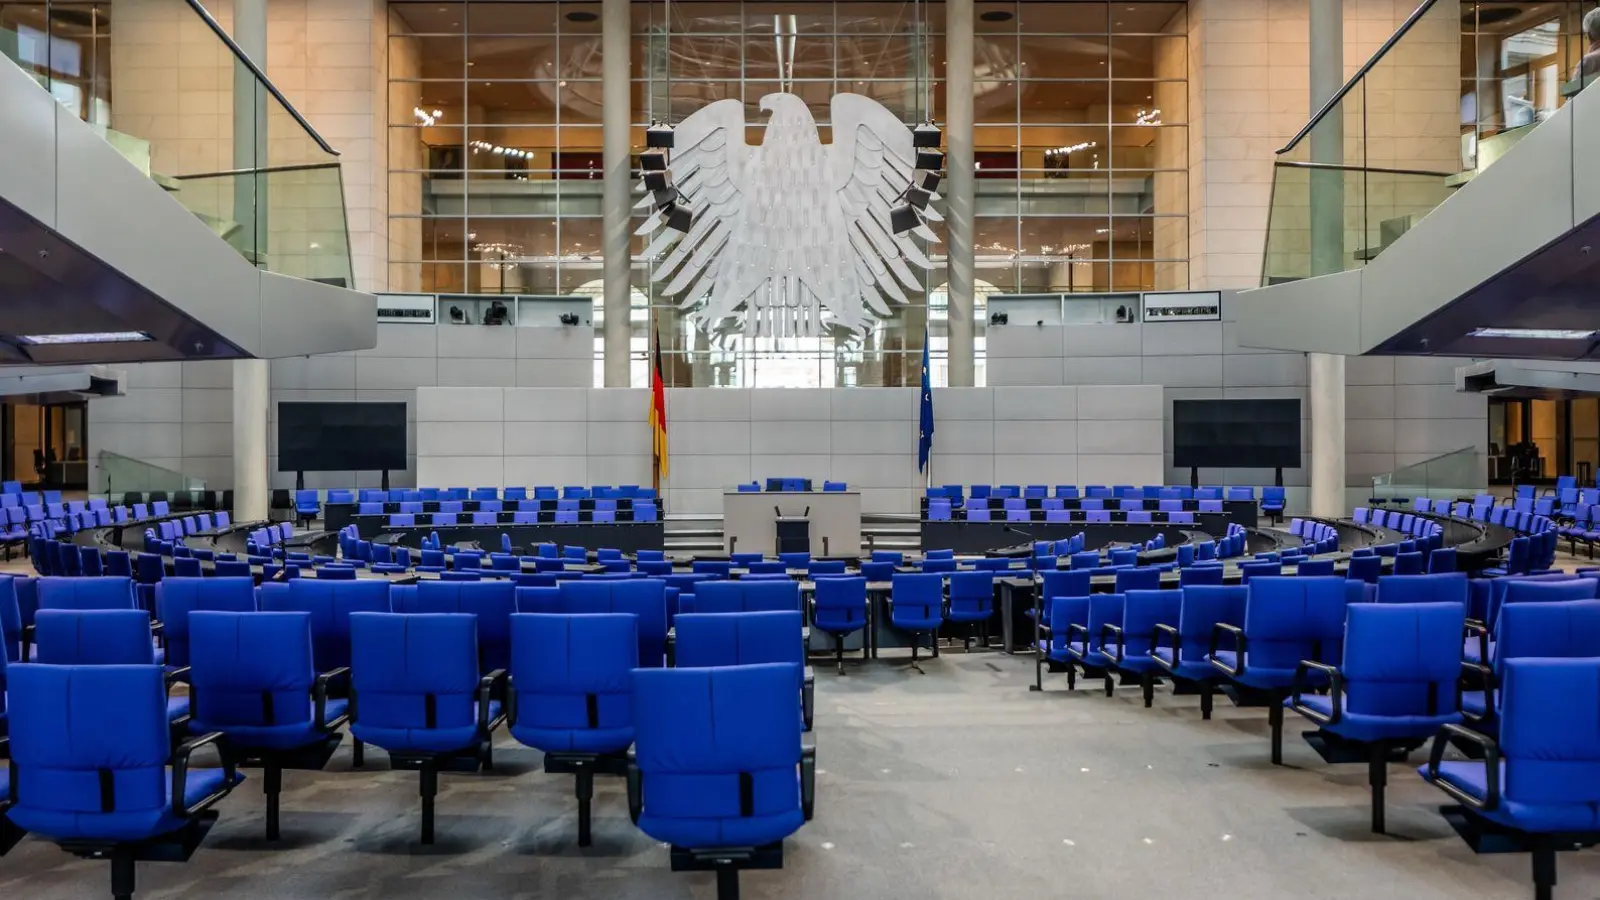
column 709, row 164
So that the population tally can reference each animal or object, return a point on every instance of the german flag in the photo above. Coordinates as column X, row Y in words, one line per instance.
column 658, row 416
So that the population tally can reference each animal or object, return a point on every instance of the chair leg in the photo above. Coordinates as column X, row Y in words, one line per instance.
column 1378, row 777
column 1205, row 702
column 123, row 868
column 933, row 638
column 838, row 652
column 272, row 784
column 1111, row 680
column 1544, row 869
column 916, row 644
column 727, row 883
column 430, row 789
column 1072, row 677
column 1275, row 719
column 1147, row 682
column 358, row 752
column 585, row 800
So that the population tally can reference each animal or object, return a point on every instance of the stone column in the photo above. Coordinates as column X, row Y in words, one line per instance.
column 960, row 188
column 251, row 377
column 1325, row 370
column 615, row 119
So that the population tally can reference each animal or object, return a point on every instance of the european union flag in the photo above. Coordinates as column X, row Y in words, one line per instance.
column 925, row 429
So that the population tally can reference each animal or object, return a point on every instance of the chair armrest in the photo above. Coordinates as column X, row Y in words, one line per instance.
column 510, row 704
column 808, row 695
column 319, row 695
column 27, row 640
column 1074, row 627
column 1475, row 628
column 808, row 781
column 1302, row 680
column 486, row 687
column 1177, row 645
column 1240, row 643
column 1491, row 764
column 635, row 787
column 1106, row 631
column 180, row 772
column 175, row 676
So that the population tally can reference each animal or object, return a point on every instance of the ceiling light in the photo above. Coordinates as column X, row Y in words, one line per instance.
column 86, row 337
column 1537, row 334
column 581, row 15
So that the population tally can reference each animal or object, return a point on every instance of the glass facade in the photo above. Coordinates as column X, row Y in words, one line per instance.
column 495, row 162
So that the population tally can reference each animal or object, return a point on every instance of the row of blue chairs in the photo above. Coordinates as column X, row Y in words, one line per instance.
column 792, row 485
column 958, row 493
column 643, row 511
column 308, row 502
column 940, row 511
column 1380, row 670
column 412, row 683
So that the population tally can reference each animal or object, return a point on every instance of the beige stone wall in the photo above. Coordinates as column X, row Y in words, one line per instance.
column 1249, row 88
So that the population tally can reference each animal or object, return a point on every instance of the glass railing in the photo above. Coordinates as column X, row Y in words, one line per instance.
column 1443, row 98
column 119, row 474
column 162, row 82
column 1456, row 474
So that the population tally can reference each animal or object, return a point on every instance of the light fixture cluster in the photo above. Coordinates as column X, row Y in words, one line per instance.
column 1060, row 152
column 497, row 150
column 1148, row 117
column 426, row 118
column 509, row 254
column 929, row 168
column 668, row 202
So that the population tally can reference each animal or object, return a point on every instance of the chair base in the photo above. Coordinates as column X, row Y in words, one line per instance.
column 585, row 766
column 1337, row 750
column 310, row 758
column 10, row 835
column 728, row 862
column 174, row 846
column 429, row 765
column 1484, row 836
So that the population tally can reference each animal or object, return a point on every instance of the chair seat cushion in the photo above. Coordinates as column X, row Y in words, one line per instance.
column 916, row 623
column 1260, row 677
column 1474, row 703
column 837, row 626
column 573, row 740
column 1137, row 663
column 423, row 740
column 1189, row 670
column 965, row 616
column 131, row 825
column 687, row 792
column 1361, row 727
column 1472, row 777
column 274, row 737
column 1088, row 657
column 177, row 708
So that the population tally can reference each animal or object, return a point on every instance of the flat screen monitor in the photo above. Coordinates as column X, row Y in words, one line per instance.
column 1236, row 434
column 341, row 437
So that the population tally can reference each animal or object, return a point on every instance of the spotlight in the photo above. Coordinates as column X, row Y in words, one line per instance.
column 664, row 198
column 918, row 197
column 904, row 218
column 925, row 136
column 678, row 218
column 658, row 137
column 999, row 318
column 655, row 181
column 653, row 161
column 929, row 182
column 930, row 160
column 569, row 318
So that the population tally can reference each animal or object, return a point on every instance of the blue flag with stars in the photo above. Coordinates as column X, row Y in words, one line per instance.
column 925, row 429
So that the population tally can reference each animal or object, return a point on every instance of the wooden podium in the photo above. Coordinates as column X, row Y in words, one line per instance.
column 833, row 518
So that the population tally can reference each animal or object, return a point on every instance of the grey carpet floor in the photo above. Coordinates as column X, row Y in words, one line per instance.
column 953, row 784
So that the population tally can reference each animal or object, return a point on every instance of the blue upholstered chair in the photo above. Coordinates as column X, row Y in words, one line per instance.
column 720, row 774
column 1287, row 621
column 1137, row 579
column 1395, row 688
column 1209, row 574
column 645, row 598
column 745, row 595
column 1314, row 568
column 252, row 680
column 416, row 692
column 1181, row 649
column 744, row 639
column 916, row 605
column 110, row 785
column 86, row 593
column 972, row 602
column 1131, row 644
column 1537, row 784
column 1082, row 630
column 839, row 607
column 570, row 695
column 1557, row 630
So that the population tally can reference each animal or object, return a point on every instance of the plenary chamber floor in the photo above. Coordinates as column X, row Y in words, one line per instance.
column 954, row 784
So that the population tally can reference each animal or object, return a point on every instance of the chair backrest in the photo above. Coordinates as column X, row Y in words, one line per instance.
column 1064, row 584
column 1402, row 659
column 645, row 598
column 747, row 596
column 1564, row 629
column 718, row 749
column 1537, row 590
column 972, row 592
column 1550, row 731
column 93, row 637
column 1200, row 575
column 251, row 670
column 1142, row 611
column 331, row 604
column 1141, row 579
column 917, row 595
column 76, row 728
column 1450, row 587
column 413, row 674
column 177, row 598
column 1204, row 606
column 572, row 676
column 492, row 602
column 840, row 604
column 104, row 592
column 740, row 639
column 1314, row 567
column 1289, row 619
column 1365, row 568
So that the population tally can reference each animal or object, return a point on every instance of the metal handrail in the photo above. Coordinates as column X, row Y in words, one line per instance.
column 266, row 170
column 1405, row 28
column 1340, row 167
column 205, row 16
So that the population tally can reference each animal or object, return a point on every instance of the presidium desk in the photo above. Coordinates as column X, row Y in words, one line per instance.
column 749, row 520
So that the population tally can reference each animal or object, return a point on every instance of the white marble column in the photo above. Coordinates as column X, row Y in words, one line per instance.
column 960, row 188
column 615, row 210
column 1325, row 370
column 251, row 377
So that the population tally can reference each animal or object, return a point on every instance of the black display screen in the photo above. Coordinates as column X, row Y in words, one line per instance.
column 341, row 437
column 1236, row 434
